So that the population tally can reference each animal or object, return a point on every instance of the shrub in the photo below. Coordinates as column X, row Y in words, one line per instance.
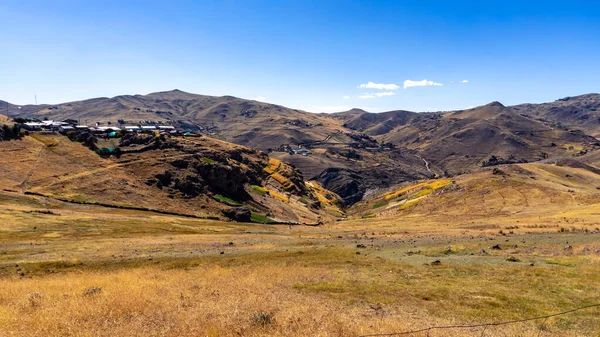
column 92, row 291
column 262, row 319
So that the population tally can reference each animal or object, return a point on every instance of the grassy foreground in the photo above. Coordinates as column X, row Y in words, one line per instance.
column 76, row 270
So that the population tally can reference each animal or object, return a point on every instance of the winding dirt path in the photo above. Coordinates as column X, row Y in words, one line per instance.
column 427, row 166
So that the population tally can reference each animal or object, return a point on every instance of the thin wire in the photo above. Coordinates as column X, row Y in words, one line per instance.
column 481, row 325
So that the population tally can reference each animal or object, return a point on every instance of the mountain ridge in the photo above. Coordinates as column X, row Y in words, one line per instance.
column 356, row 148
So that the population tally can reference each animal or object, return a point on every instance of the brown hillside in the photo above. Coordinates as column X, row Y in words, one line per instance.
column 507, row 194
column 194, row 176
column 354, row 152
column 578, row 112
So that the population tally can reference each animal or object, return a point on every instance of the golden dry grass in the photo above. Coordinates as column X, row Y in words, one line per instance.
column 84, row 270
column 433, row 185
column 165, row 276
column 278, row 195
column 274, row 165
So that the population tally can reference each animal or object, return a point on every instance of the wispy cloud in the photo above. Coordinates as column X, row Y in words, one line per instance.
column 346, row 97
column 423, row 83
column 380, row 86
column 464, row 81
column 377, row 94
column 260, row 98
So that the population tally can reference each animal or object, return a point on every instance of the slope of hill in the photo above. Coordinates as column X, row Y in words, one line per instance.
column 459, row 141
column 355, row 152
column 578, row 112
column 539, row 193
column 190, row 176
column 251, row 123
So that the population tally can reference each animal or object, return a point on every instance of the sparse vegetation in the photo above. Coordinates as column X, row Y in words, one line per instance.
column 259, row 218
column 380, row 204
column 260, row 190
column 226, row 200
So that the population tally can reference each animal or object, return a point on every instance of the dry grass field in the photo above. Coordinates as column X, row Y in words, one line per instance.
column 502, row 243
column 83, row 270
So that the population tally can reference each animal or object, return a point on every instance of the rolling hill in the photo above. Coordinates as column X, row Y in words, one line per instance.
column 578, row 112
column 197, row 177
column 355, row 153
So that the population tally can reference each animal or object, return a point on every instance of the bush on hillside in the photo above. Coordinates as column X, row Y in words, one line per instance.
column 10, row 132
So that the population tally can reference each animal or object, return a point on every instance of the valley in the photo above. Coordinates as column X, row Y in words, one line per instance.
column 347, row 224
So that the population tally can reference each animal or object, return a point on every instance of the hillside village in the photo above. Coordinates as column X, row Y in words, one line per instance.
column 69, row 125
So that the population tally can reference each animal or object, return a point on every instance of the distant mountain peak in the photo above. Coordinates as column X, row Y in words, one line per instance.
column 496, row 104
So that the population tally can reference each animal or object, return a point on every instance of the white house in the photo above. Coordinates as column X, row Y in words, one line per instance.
column 148, row 128
column 32, row 126
column 132, row 128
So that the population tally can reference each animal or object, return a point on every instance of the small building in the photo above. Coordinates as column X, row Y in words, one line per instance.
column 31, row 126
column 167, row 129
column 82, row 127
column 303, row 152
column 65, row 128
column 52, row 125
column 132, row 128
column 104, row 129
column 72, row 122
column 148, row 128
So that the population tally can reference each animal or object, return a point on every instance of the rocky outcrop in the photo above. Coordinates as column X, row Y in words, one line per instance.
column 239, row 214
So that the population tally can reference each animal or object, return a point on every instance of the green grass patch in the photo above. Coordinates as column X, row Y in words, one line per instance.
column 226, row 200
column 560, row 262
column 368, row 216
column 380, row 204
column 259, row 189
column 259, row 218
column 206, row 160
column 422, row 193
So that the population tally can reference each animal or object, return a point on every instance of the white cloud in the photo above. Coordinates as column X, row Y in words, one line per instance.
column 346, row 97
column 464, row 81
column 380, row 86
column 377, row 94
column 260, row 99
column 423, row 83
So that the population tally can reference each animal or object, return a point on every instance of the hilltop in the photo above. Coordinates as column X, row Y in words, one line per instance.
column 355, row 153
column 577, row 112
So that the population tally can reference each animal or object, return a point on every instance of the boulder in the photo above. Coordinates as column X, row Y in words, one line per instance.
column 239, row 214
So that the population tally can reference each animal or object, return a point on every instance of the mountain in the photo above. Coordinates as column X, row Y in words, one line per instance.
column 355, row 153
column 459, row 141
column 578, row 112
column 251, row 123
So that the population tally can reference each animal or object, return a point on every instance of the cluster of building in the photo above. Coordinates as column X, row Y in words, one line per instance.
column 72, row 125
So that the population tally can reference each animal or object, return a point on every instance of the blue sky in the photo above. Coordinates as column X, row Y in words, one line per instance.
column 311, row 55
